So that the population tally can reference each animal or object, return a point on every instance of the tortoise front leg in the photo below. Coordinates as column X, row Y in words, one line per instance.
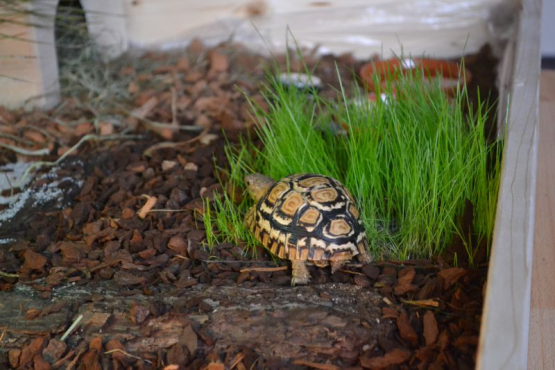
column 364, row 258
column 300, row 273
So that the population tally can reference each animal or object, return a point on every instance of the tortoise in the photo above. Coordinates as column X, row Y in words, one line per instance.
column 306, row 218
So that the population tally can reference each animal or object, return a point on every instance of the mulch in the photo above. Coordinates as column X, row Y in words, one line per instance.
column 133, row 229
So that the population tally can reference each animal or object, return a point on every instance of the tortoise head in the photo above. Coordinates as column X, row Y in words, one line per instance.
column 258, row 185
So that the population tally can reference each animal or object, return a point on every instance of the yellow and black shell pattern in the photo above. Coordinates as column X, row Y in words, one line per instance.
column 309, row 217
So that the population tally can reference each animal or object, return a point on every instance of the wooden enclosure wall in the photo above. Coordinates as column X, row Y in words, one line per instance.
column 363, row 27
column 505, row 322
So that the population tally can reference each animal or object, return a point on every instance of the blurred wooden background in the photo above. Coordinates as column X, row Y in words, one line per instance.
column 541, row 350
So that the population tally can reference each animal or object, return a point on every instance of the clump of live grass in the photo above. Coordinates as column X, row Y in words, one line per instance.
column 415, row 163
column 224, row 218
column 413, row 160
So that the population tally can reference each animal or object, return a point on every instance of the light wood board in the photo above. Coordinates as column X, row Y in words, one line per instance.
column 28, row 63
column 505, row 322
column 541, row 353
column 441, row 28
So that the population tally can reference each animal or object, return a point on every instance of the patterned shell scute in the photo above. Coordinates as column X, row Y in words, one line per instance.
column 309, row 217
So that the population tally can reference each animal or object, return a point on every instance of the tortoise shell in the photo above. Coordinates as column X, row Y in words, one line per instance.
column 309, row 217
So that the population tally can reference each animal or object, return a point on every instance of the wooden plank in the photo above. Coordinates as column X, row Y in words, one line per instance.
column 542, row 315
column 505, row 322
column 43, row 17
column 28, row 64
column 362, row 27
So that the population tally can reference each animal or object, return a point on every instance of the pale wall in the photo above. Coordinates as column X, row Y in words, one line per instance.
column 443, row 28
column 548, row 28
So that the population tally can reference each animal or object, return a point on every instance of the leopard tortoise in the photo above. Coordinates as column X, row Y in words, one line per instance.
column 306, row 218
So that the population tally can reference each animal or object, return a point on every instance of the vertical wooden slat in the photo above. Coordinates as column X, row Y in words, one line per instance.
column 44, row 15
column 28, row 63
column 505, row 322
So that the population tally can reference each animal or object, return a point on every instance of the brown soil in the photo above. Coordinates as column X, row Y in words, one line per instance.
column 151, row 295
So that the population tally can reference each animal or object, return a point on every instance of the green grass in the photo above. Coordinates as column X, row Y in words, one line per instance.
column 413, row 164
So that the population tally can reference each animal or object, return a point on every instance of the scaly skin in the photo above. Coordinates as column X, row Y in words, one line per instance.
column 364, row 258
column 258, row 185
column 301, row 276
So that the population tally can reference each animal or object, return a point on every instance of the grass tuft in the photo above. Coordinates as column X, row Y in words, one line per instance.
column 415, row 161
